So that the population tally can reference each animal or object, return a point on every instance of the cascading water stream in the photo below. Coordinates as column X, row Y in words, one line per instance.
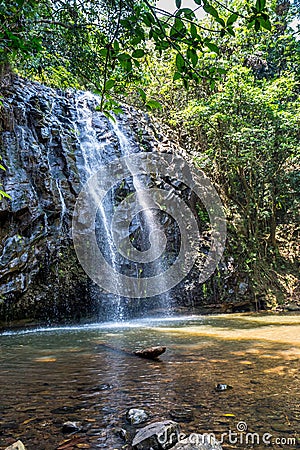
column 148, row 207
column 92, row 151
column 93, row 146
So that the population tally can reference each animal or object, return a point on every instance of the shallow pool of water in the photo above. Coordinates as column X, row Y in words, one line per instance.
column 53, row 375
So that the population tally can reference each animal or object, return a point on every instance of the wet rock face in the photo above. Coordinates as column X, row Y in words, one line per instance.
column 40, row 278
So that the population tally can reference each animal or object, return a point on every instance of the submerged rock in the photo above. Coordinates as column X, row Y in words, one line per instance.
column 136, row 416
column 222, row 387
column 151, row 352
column 16, row 446
column 182, row 414
column 158, row 435
column 71, row 427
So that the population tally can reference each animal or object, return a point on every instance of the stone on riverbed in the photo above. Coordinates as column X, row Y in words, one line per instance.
column 136, row 416
column 158, row 436
column 182, row 414
column 71, row 427
column 150, row 353
column 16, row 446
column 198, row 442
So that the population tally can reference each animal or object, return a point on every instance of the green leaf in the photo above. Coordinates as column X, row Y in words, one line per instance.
column 109, row 115
column 123, row 57
column 150, row 18
column 192, row 55
column 231, row 19
column 210, row 10
column 4, row 194
column 266, row 24
column 103, row 51
column 178, row 4
column 230, row 31
column 221, row 71
column 2, row 167
column 142, row 93
column 257, row 25
column 220, row 21
column 185, row 83
column 260, row 5
column 198, row 2
column 118, row 110
column 213, row 47
column 177, row 76
column 139, row 53
column 153, row 104
column 194, row 32
column 188, row 13
column 178, row 29
column 180, row 63
column 109, row 84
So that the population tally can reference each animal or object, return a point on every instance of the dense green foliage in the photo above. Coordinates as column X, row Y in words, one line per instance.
column 100, row 44
column 245, row 134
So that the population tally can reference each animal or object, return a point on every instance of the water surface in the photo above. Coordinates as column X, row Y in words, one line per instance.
column 53, row 375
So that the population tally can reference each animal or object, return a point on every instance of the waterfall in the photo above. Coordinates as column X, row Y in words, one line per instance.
column 93, row 145
column 152, row 226
column 92, row 151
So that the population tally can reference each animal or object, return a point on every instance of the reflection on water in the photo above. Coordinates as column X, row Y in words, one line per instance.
column 56, row 375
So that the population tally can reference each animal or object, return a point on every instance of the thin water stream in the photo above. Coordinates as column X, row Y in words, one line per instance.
column 55, row 375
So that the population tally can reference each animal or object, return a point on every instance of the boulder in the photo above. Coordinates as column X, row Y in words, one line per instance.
column 157, row 436
column 136, row 416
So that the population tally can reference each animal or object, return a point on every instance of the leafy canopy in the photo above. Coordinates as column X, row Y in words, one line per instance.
column 100, row 44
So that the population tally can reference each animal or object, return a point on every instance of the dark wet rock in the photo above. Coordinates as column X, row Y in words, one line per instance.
column 71, row 427
column 16, row 446
column 136, row 416
column 125, row 435
column 151, row 352
column 197, row 442
column 158, row 435
column 182, row 414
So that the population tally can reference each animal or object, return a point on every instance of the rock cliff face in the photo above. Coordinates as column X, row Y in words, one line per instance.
column 40, row 276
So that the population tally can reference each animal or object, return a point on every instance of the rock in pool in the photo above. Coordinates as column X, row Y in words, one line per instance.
column 136, row 416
